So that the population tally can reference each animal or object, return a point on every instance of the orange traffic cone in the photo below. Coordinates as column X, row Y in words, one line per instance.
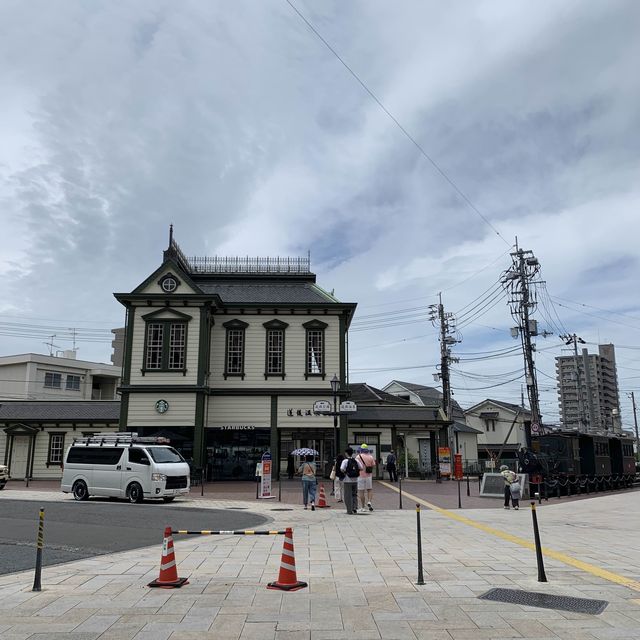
column 168, row 578
column 287, row 579
column 322, row 502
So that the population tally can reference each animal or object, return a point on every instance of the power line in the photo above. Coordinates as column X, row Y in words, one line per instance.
column 435, row 165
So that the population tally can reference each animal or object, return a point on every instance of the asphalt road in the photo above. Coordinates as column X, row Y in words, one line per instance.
column 76, row 530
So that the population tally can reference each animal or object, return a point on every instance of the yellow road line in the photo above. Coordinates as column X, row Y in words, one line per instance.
column 549, row 553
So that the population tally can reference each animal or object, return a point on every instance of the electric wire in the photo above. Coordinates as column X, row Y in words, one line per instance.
column 417, row 145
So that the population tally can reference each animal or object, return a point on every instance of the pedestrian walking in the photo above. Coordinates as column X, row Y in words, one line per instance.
column 509, row 478
column 391, row 467
column 365, row 480
column 516, row 493
column 350, row 467
column 308, row 471
column 338, row 477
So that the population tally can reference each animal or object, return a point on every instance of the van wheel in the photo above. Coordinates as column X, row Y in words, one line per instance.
column 134, row 493
column 80, row 491
column 169, row 498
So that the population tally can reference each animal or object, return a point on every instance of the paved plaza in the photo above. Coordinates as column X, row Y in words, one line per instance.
column 361, row 572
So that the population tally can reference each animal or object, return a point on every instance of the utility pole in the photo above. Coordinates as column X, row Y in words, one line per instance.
column 573, row 339
column 635, row 421
column 516, row 281
column 447, row 328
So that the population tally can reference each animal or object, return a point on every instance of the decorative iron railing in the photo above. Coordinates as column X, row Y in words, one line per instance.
column 247, row 264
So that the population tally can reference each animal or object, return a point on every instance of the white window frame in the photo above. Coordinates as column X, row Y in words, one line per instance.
column 53, row 376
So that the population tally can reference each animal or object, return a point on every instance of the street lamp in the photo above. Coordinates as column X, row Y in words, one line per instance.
column 335, row 385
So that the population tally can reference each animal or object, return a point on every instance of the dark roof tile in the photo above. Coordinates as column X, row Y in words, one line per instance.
column 59, row 411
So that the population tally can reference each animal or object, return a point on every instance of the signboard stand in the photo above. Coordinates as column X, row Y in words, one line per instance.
column 265, row 482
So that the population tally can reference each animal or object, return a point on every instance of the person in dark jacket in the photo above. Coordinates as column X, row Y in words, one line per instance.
column 291, row 467
column 391, row 467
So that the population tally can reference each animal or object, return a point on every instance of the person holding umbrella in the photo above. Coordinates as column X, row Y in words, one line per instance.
column 308, row 472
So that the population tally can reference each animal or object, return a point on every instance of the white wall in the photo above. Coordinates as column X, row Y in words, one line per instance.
column 142, row 412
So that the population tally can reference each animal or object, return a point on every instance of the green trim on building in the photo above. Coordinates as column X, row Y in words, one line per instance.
column 198, row 431
column 204, row 344
column 275, row 438
column 128, row 344
column 124, row 411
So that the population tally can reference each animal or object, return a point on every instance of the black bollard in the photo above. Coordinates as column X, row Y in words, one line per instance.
column 257, row 487
column 420, row 574
column 279, row 487
column 537, row 495
column 400, row 490
column 468, row 490
column 39, row 546
column 479, row 483
column 459, row 499
column 536, row 535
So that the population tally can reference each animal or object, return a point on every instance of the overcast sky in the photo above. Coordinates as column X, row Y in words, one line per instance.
column 234, row 121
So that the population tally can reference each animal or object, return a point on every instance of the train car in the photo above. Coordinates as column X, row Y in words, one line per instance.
column 601, row 455
column 558, row 453
column 623, row 461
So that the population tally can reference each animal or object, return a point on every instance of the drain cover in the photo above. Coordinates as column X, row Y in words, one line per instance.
column 281, row 509
column 545, row 600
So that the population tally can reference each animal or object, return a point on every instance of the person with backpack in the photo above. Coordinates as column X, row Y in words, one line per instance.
column 350, row 467
column 365, row 481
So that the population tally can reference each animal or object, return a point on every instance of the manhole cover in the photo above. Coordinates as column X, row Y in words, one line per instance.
column 281, row 509
column 238, row 508
column 545, row 600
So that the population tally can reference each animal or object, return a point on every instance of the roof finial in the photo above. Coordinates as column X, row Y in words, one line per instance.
column 170, row 234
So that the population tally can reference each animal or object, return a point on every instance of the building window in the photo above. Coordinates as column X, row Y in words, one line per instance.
column 234, row 352
column 315, row 348
column 73, row 383
column 56, row 448
column 165, row 345
column 52, row 380
column 274, row 348
column 155, row 339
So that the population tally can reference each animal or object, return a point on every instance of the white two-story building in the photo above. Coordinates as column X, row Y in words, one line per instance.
column 226, row 357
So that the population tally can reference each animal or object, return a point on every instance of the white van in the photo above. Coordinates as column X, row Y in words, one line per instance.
column 122, row 465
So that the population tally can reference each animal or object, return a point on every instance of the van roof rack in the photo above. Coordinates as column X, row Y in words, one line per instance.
column 113, row 438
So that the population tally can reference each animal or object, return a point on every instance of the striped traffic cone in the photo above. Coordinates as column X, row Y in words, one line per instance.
column 168, row 578
column 287, row 579
column 322, row 502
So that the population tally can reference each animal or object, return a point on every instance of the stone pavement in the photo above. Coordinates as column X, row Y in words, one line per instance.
column 361, row 572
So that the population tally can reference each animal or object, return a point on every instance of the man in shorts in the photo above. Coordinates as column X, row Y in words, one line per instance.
column 365, row 480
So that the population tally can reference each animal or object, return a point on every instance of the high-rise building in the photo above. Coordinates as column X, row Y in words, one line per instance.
column 588, row 390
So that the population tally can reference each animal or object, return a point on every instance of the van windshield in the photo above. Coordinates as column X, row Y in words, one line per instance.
column 164, row 454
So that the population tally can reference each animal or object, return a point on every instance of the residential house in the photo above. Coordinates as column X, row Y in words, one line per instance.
column 464, row 434
column 502, row 427
column 387, row 422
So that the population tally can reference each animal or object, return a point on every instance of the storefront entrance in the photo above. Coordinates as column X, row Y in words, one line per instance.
column 320, row 440
column 234, row 453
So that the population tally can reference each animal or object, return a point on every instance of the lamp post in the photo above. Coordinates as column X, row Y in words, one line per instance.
column 335, row 385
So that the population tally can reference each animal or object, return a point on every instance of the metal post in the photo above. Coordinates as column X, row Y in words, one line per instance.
column 459, row 499
column 537, row 495
column 279, row 487
column 39, row 546
column 536, row 534
column 202, row 472
column 400, row 489
column 468, row 489
column 420, row 574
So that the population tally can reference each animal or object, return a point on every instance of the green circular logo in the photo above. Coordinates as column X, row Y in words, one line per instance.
column 162, row 406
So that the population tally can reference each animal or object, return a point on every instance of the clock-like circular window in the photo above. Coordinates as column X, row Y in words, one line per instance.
column 169, row 284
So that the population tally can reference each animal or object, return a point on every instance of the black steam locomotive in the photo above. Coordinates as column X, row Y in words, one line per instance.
column 572, row 462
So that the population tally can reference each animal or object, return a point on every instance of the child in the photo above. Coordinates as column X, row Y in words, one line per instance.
column 516, row 492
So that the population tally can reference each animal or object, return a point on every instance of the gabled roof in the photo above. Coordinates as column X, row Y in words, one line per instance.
column 513, row 408
column 361, row 392
column 421, row 417
column 430, row 396
column 60, row 411
column 462, row 427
